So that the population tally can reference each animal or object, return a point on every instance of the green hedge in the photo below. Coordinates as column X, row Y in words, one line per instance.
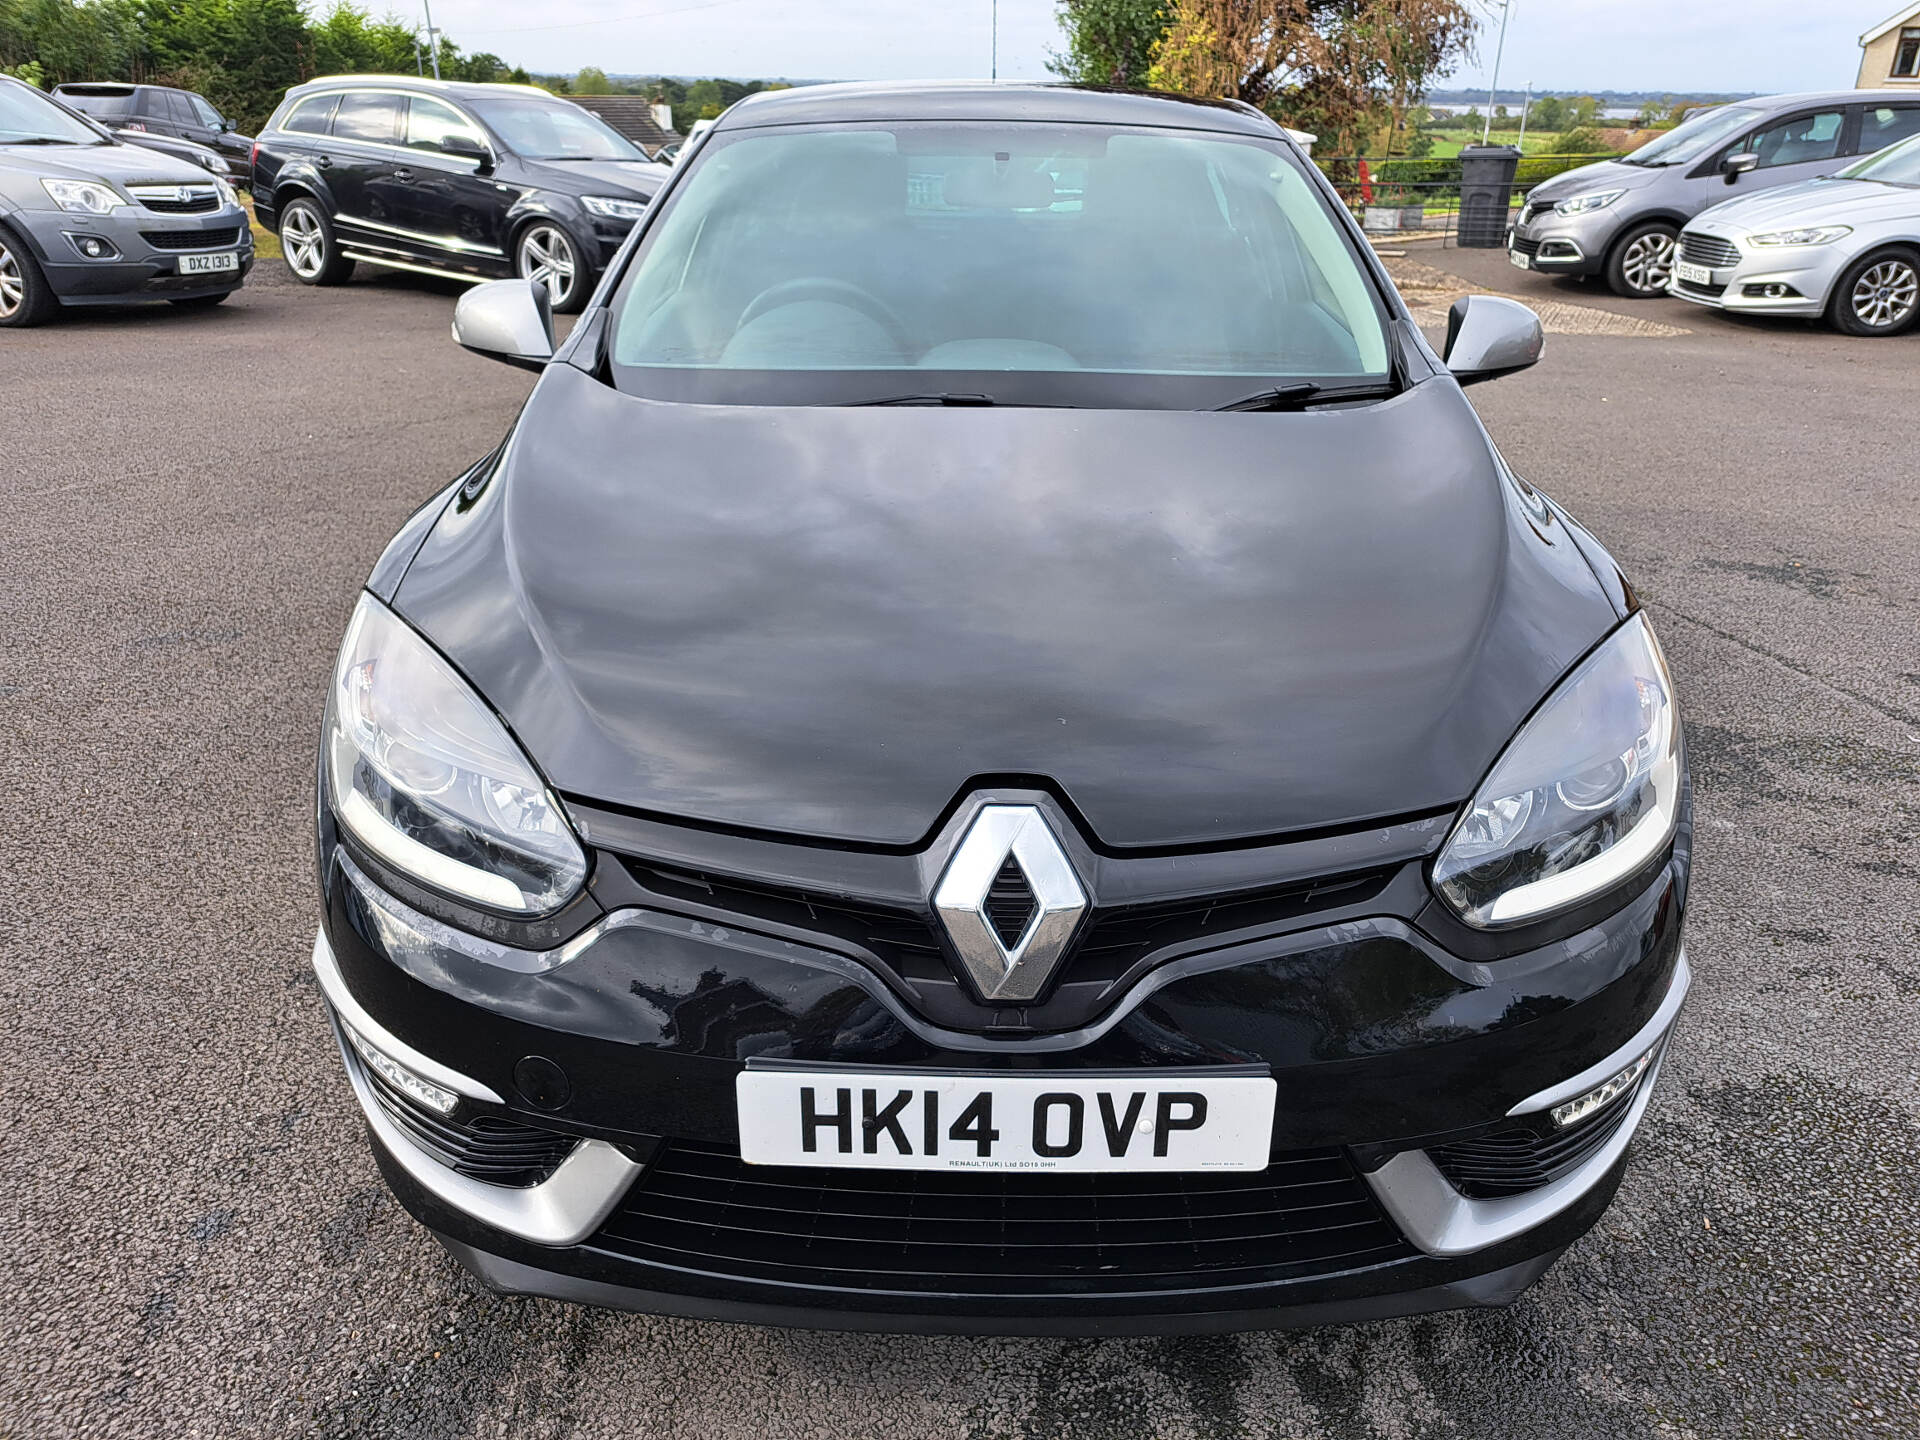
column 1408, row 180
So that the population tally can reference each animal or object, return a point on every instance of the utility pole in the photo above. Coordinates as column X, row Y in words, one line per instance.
column 1506, row 9
column 994, row 71
column 1525, row 105
column 433, row 40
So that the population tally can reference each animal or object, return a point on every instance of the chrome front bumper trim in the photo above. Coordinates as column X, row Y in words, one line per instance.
column 1441, row 1221
column 561, row 1210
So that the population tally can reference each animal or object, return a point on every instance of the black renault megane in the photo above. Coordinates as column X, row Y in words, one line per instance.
column 998, row 751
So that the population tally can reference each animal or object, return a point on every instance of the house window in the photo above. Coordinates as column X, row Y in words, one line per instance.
column 1906, row 58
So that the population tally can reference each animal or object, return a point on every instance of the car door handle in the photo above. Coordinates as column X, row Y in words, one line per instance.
column 403, row 174
column 325, row 162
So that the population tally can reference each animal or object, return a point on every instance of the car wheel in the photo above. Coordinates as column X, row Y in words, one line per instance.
column 1878, row 294
column 306, row 238
column 200, row 302
column 25, row 297
column 1642, row 261
column 546, row 253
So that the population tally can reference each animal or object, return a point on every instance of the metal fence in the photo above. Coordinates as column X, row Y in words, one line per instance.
column 1407, row 197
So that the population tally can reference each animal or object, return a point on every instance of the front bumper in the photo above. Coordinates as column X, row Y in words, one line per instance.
column 1390, row 1054
column 146, row 250
column 1785, row 280
column 1562, row 244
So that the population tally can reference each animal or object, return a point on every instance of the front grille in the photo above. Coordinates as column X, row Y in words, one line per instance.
column 1693, row 288
column 1526, row 245
column 1534, row 210
column 702, row 1207
column 1112, row 941
column 482, row 1147
column 1708, row 250
column 191, row 239
column 1514, row 1161
column 166, row 199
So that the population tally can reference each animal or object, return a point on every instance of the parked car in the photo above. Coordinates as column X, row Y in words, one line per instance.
column 1621, row 218
column 86, row 220
column 468, row 181
column 160, row 110
column 211, row 161
column 919, row 790
column 1847, row 248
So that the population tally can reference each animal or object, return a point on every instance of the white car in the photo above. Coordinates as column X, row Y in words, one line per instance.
column 1845, row 246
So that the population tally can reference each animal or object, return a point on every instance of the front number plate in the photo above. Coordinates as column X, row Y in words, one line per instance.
column 208, row 264
column 1521, row 259
column 1692, row 274
column 870, row 1120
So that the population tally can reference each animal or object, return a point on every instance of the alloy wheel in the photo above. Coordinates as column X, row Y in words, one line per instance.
column 304, row 241
column 1885, row 294
column 1648, row 262
column 13, row 285
column 545, row 254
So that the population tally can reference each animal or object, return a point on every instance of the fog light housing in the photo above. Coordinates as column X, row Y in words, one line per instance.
column 93, row 247
column 424, row 1092
column 1584, row 1107
column 1769, row 290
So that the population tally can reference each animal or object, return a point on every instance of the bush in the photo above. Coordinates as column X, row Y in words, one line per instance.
column 1583, row 140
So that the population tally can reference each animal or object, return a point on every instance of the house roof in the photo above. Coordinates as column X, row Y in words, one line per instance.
column 1910, row 12
column 631, row 115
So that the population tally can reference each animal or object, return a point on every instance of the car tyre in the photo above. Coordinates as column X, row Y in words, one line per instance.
column 307, row 241
column 25, row 297
column 1879, row 294
column 544, row 251
column 1641, row 261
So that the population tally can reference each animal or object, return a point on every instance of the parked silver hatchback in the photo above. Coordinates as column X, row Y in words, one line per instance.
column 1847, row 248
column 1622, row 218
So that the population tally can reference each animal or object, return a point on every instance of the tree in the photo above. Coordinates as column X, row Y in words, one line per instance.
column 1549, row 112
column 1110, row 42
column 592, row 81
column 1582, row 110
column 1582, row 140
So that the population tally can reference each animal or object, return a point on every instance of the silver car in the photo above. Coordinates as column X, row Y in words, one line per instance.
column 1622, row 218
column 1847, row 248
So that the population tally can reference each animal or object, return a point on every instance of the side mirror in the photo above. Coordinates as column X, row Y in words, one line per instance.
column 1734, row 166
column 509, row 320
column 467, row 148
column 1488, row 337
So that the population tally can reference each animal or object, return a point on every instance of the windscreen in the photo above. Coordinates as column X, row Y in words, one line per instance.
column 537, row 129
column 1053, row 260
column 1895, row 165
column 1687, row 142
column 28, row 118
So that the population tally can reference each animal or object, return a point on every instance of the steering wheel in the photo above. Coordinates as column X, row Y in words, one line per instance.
column 838, row 292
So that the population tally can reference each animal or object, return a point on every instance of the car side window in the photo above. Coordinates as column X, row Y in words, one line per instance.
column 1801, row 140
column 312, row 117
column 429, row 122
column 180, row 111
column 204, row 112
column 367, row 115
column 1884, row 125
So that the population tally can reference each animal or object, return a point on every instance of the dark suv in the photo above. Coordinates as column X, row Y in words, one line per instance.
column 160, row 110
column 468, row 181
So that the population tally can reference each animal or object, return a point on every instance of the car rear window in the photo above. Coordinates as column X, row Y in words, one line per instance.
column 101, row 104
column 312, row 116
column 1036, row 255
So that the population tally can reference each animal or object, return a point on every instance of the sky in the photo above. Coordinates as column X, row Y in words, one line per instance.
column 1701, row 45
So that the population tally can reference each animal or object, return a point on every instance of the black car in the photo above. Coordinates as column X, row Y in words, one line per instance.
column 211, row 161
column 160, row 110
column 997, row 750
column 464, row 180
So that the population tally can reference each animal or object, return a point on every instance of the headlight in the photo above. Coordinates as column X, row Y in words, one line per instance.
column 609, row 208
column 84, row 196
column 225, row 192
column 1581, row 204
column 1818, row 235
column 421, row 772
column 1583, row 796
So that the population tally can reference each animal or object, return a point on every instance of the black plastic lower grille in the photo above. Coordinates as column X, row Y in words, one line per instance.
column 1512, row 1162
column 191, row 239
column 702, row 1207
column 1525, row 245
column 482, row 1147
column 1693, row 288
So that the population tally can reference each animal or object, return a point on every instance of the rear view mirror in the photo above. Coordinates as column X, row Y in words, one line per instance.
column 1734, row 166
column 507, row 320
column 1488, row 337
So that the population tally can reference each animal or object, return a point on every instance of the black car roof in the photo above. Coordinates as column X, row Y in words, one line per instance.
column 988, row 100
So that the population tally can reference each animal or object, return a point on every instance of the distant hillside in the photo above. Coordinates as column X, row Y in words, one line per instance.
column 1608, row 98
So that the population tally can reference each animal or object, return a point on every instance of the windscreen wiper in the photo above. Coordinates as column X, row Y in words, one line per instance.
column 1301, row 394
column 938, row 397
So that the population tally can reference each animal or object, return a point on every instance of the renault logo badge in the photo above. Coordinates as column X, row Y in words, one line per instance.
column 1010, row 901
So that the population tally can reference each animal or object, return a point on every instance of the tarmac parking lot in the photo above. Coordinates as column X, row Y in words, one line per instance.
column 196, row 1242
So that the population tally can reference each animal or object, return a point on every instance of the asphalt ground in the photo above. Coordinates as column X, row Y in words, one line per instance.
column 194, row 1241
